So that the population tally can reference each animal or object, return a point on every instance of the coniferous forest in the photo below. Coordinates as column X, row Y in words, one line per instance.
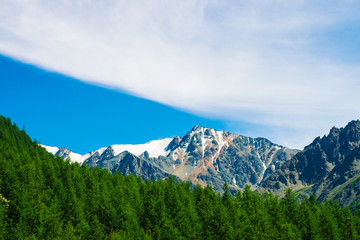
column 45, row 197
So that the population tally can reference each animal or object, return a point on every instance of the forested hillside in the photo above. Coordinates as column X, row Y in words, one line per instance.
column 44, row 197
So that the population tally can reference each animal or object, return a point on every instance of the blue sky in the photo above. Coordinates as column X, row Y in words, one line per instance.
column 285, row 70
column 61, row 111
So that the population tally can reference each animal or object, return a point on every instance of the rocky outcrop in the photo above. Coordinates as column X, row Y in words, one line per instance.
column 329, row 168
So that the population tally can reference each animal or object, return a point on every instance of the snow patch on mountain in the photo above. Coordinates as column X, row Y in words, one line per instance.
column 99, row 152
column 50, row 149
column 155, row 148
column 75, row 157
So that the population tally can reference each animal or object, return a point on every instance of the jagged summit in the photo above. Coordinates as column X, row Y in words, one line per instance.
column 328, row 168
column 196, row 128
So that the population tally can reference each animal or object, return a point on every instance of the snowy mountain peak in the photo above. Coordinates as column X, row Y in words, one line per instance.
column 153, row 148
column 65, row 153
column 199, row 140
column 197, row 137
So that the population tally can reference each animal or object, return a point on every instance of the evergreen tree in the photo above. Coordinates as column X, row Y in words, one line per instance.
column 4, row 204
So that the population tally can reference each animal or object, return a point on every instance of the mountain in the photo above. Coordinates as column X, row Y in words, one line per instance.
column 65, row 153
column 203, row 155
column 329, row 168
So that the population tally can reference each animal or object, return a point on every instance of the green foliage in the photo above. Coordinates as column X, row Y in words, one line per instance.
column 45, row 197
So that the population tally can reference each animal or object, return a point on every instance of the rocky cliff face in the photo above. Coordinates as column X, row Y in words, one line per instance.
column 204, row 156
column 329, row 168
column 211, row 157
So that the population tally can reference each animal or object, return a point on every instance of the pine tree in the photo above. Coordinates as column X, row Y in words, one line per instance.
column 327, row 222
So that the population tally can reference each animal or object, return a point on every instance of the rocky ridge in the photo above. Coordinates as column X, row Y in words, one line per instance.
column 329, row 168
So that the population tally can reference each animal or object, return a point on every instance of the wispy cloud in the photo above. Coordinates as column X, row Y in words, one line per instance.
column 255, row 61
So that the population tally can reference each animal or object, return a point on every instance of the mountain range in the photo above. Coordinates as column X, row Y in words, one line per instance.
column 329, row 167
column 202, row 156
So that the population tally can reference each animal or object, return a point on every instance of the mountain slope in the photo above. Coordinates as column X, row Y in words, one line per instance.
column 329, row 168
column 203, row 155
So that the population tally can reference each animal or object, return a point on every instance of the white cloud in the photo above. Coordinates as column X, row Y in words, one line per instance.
column 252, row 61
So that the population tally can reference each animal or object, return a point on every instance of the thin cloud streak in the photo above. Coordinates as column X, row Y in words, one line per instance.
column 252, row 61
